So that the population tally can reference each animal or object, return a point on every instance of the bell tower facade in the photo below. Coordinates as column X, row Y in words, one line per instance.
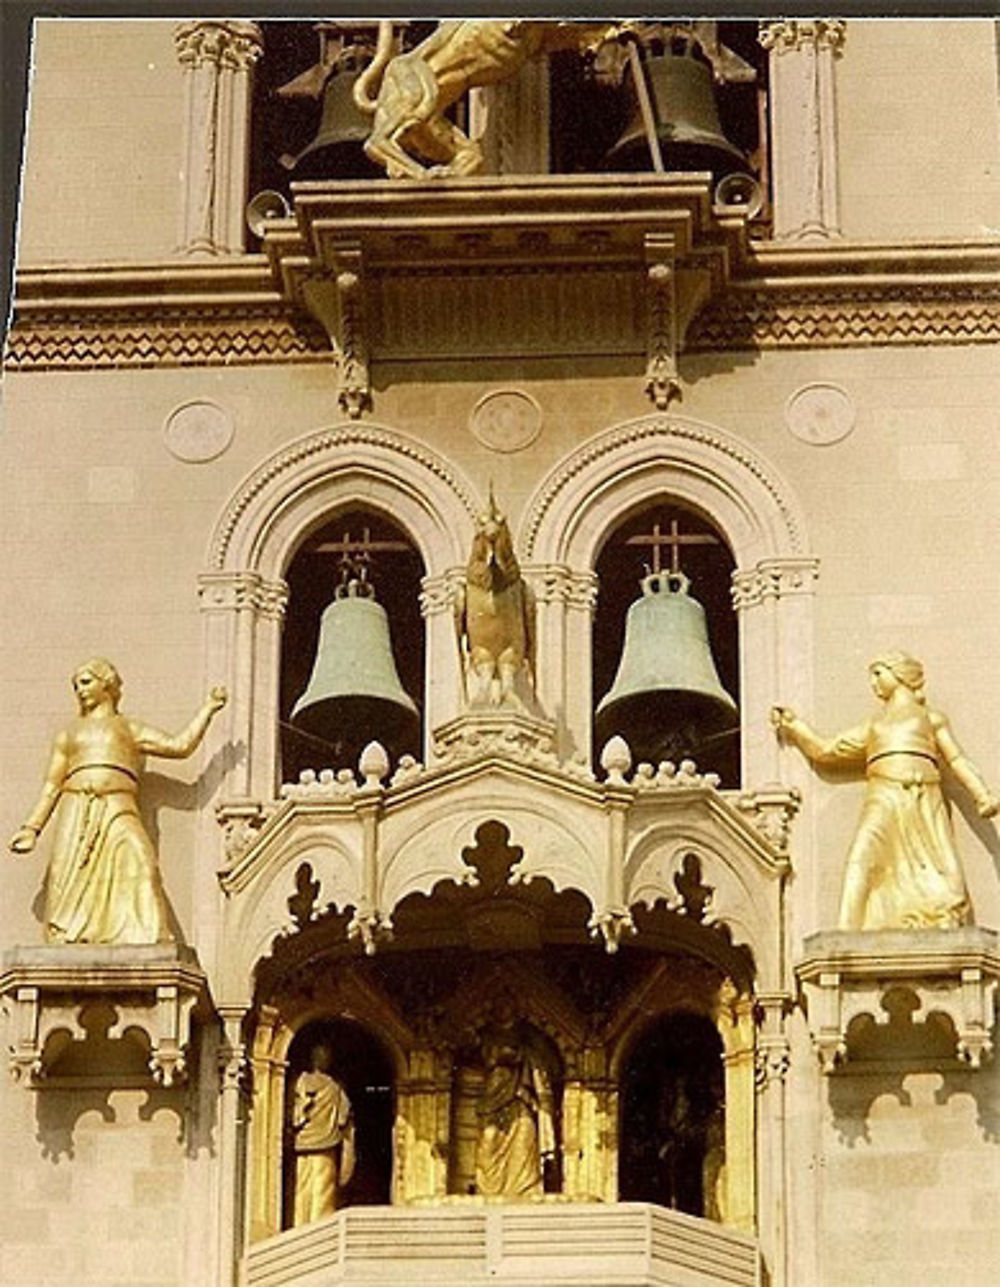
column 549, row 420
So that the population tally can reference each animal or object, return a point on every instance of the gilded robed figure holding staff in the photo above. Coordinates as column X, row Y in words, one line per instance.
column 903, row 869
column 103, row 882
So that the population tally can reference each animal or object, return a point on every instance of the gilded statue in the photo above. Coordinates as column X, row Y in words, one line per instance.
column 516, row 1112
column 409, row 94
column 323, row 1139
column 103, row 882
column 495, row 618
column 902, row 868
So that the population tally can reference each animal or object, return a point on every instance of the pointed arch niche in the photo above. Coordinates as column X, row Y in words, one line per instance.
column 288, row 498
column 574, row 510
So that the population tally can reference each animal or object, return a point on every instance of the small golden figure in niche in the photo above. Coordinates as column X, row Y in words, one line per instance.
column 323, row 1127
column 516, row 1113
column 902, row 868
column 103, row 882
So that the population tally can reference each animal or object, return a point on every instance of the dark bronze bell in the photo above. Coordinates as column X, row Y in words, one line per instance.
column 667, row 699
column 341, row 135
column 682, row 96
column 354, row 694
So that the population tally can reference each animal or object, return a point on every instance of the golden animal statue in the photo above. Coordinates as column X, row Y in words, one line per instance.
column 408, row 94
column 495, row 618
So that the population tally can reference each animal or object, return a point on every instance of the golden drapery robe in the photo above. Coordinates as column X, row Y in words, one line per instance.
column 516, row 1119
column 324, row 1145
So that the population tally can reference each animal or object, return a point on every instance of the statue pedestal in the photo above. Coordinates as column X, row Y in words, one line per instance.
column 154, row 987
column 495, row 731
column 897, row 979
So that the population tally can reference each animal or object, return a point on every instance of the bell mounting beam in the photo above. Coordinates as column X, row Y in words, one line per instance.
column 658, row 540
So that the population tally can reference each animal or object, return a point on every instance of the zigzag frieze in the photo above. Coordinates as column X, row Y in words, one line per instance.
column 182, row 338
column 743, row 318
column 758, row 319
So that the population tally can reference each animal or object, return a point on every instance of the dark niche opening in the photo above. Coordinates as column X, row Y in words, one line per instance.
column 673, row 1116
column 361, row 1065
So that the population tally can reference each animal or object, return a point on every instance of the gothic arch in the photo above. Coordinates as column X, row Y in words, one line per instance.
column 291, row 491
column 588, row 492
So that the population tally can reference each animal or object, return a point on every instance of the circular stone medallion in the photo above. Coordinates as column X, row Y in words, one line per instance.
column 506, row 420
column 198, row 431
column 820, row 414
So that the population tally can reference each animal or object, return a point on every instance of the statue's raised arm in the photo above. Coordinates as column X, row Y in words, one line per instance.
column 902, row 868
column 103, row 882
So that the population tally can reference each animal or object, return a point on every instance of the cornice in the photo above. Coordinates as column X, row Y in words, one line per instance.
column 180, row 313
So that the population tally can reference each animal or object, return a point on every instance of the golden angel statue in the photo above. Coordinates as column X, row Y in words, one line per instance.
column 902, row 868
column 103, row 882
column 495, row 618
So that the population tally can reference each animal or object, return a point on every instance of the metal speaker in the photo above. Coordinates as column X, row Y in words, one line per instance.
column 739, row 193
column 667, row 699
column 682, row 94
column 265, row 207
column 354, row 692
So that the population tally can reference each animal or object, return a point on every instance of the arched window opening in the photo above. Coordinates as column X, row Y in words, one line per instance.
column 338, row 1122
column 673, row 1116
column 665, row 685
column 338, row 679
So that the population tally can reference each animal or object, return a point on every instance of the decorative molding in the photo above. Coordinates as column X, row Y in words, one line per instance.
column 441, row 593
column 555, row 583
column 673, row 433
column 506, row 420
column 852, row 316
column 242, row 592
column 820, row 413
column 792, row 34
column 227, row 311
column 198, row 430
column 333, row 443
column 772, row 811
column 773, row 579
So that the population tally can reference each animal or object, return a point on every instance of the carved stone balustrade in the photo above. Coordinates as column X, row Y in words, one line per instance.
column 48, row 990
column 851, row 976
column 489, row 267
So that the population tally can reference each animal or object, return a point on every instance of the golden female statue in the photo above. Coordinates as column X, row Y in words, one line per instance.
column 902, row 868
column 323, row 1127
column 103, row 882
column 516, row 1114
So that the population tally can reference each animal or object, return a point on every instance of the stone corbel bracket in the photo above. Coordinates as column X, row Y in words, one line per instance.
column 157, row 988
column 513, row 267
column 847, row 974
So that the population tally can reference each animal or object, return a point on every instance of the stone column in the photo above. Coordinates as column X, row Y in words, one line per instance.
column 511, row 121
column 217, row 59
column 803, row 114
column 231, row 1207
column 443, row 663
column 565, row 604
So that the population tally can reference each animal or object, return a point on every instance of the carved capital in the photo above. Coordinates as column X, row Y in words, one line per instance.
column 235, row 45
column 772, row 811
column 242, row 592
column 241, row 821
column 773, row 579
column 793, row 34
column 555, row 583
column 440, row 593
column 771, row 1061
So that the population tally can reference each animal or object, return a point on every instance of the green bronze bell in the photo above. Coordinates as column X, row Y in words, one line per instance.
column 667, row 698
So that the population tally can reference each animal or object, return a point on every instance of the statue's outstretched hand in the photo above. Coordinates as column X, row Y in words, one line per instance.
column 217, row 698
column 23, row 841
column 988, row 806
column 781, row 719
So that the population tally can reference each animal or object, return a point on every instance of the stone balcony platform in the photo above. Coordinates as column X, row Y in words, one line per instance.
column 629, row 1244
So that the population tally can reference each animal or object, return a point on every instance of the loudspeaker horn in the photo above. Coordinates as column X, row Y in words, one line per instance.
column 265, row 207
column 739, row 193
